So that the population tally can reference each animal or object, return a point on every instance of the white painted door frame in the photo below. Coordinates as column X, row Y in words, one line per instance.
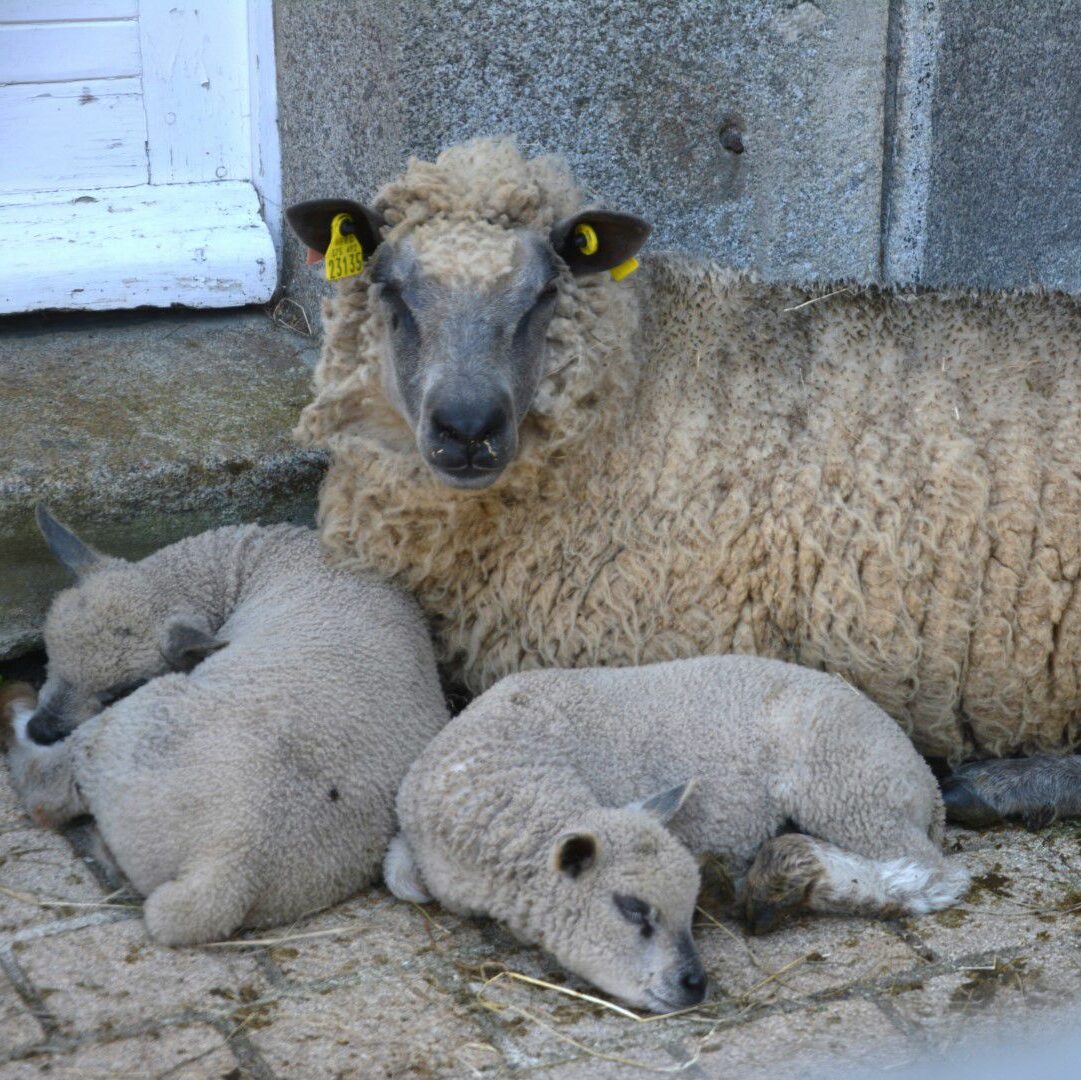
column 200, row 225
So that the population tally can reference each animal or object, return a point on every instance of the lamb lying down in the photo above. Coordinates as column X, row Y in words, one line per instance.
column 240, row 717
column 529, row 808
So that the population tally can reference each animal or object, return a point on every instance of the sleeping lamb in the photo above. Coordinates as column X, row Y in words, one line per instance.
column 529, row 808
column 240, row 716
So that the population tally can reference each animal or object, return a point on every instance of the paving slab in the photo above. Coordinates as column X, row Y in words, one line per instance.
column 377, row 988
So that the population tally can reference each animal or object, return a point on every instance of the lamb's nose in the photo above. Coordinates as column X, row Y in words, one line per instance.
column 693, row 983
column 43, row 729
column 469, row 422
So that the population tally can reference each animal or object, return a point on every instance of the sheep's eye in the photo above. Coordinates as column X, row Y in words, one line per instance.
column 115, row 693
column 634, row 911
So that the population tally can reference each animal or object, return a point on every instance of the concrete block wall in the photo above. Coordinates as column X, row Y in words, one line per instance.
column 896, row 141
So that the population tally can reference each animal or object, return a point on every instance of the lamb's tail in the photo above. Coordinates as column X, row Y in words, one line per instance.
column 43, row 776
column 796, row 872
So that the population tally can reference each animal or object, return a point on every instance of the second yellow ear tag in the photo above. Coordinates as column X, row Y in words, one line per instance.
column 344, row 257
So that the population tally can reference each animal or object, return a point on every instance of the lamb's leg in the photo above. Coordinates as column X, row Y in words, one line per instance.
column 795, row 872
column 43, row 776
column 206, row 903
column 401, row 874
column 1038, row 790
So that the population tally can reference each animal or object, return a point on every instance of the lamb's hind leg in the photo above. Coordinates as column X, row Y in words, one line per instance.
column 43, row 776
column 1038, row 790
column 207, row 902
column 795, row 872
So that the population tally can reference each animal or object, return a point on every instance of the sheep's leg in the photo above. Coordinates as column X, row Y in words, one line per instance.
column 43, row 776
column 795, row 872
column 206, row 903
column 1038, row 790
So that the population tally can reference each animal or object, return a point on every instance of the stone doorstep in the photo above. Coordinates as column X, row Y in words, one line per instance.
column 141, row 428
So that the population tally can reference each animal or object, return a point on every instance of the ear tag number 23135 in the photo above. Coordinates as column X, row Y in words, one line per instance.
column 344, row 257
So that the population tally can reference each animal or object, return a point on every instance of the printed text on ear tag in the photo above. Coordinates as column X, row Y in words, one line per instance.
column 344, row 257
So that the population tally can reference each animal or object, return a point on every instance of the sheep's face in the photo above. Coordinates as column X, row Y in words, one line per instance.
column 465, row 305
column 107, row 636
column 466, row 311
column 625, row 899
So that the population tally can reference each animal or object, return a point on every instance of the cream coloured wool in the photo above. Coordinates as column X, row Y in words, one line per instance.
column 884, row 486
column 240, row 716
column 529, row 808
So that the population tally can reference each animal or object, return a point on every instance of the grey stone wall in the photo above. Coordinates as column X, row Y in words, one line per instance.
column 894, row 141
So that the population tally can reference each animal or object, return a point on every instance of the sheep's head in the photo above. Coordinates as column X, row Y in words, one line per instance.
column 466, row 304
column 106, row 636
column 624, row 900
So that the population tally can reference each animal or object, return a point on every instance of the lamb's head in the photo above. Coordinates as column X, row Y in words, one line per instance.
column 623, row 903
column 106, row 636
column 465, row 291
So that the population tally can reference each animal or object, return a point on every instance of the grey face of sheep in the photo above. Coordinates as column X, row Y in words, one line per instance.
column 466, row 308
column 106, row 636
column 626, row 899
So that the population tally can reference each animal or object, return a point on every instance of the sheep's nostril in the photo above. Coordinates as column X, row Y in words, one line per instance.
column 469, row 422
column 694, row 984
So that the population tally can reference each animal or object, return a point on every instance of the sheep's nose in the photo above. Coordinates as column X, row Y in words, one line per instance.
column 469, row 422
column 43, row 729
column 693, row 984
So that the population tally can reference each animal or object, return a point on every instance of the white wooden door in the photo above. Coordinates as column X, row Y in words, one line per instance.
column 138, row 153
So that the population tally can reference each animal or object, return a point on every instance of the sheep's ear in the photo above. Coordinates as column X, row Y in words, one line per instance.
column 311, row 222
column 665, row 804
column 187, row 640
column 79, row 558
column 598, row 240
column 574, row 853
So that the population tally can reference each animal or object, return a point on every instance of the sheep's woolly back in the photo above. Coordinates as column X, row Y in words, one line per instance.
column 883, row 485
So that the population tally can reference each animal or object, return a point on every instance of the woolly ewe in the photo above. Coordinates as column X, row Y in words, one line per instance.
column 688, row 462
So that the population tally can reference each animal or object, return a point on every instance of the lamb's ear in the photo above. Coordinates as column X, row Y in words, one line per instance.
column 574, row 853
column 665, row 804
column 598, row 240
column 79, row 558
column 187, row 640
column 311, row 222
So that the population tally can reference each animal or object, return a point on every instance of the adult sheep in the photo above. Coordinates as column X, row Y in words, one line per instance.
column 570, row 470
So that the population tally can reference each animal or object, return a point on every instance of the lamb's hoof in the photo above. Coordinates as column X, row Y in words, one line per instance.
column 964, row 806
column 762, row 917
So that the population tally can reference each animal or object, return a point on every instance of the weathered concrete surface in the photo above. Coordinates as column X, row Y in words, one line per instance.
column 376, row 988
column 634, row 94
column 139, row 429
column 898, row 141
column 1004, row 207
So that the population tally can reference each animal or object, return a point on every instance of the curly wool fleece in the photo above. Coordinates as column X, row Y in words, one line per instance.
column 885, row 486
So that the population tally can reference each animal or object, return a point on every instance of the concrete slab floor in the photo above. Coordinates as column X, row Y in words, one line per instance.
column 140, row 428
column 377, row 988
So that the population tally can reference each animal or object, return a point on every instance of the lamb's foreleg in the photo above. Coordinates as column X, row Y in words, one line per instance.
column 1037, row 790
column 795, row 872
column 43, row 776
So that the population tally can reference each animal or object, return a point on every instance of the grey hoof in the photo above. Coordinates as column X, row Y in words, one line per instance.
column 965, row 807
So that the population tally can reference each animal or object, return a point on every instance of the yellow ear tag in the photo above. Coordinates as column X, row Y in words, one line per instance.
column 625, row 269
column 589, row 243
column 344, row 257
